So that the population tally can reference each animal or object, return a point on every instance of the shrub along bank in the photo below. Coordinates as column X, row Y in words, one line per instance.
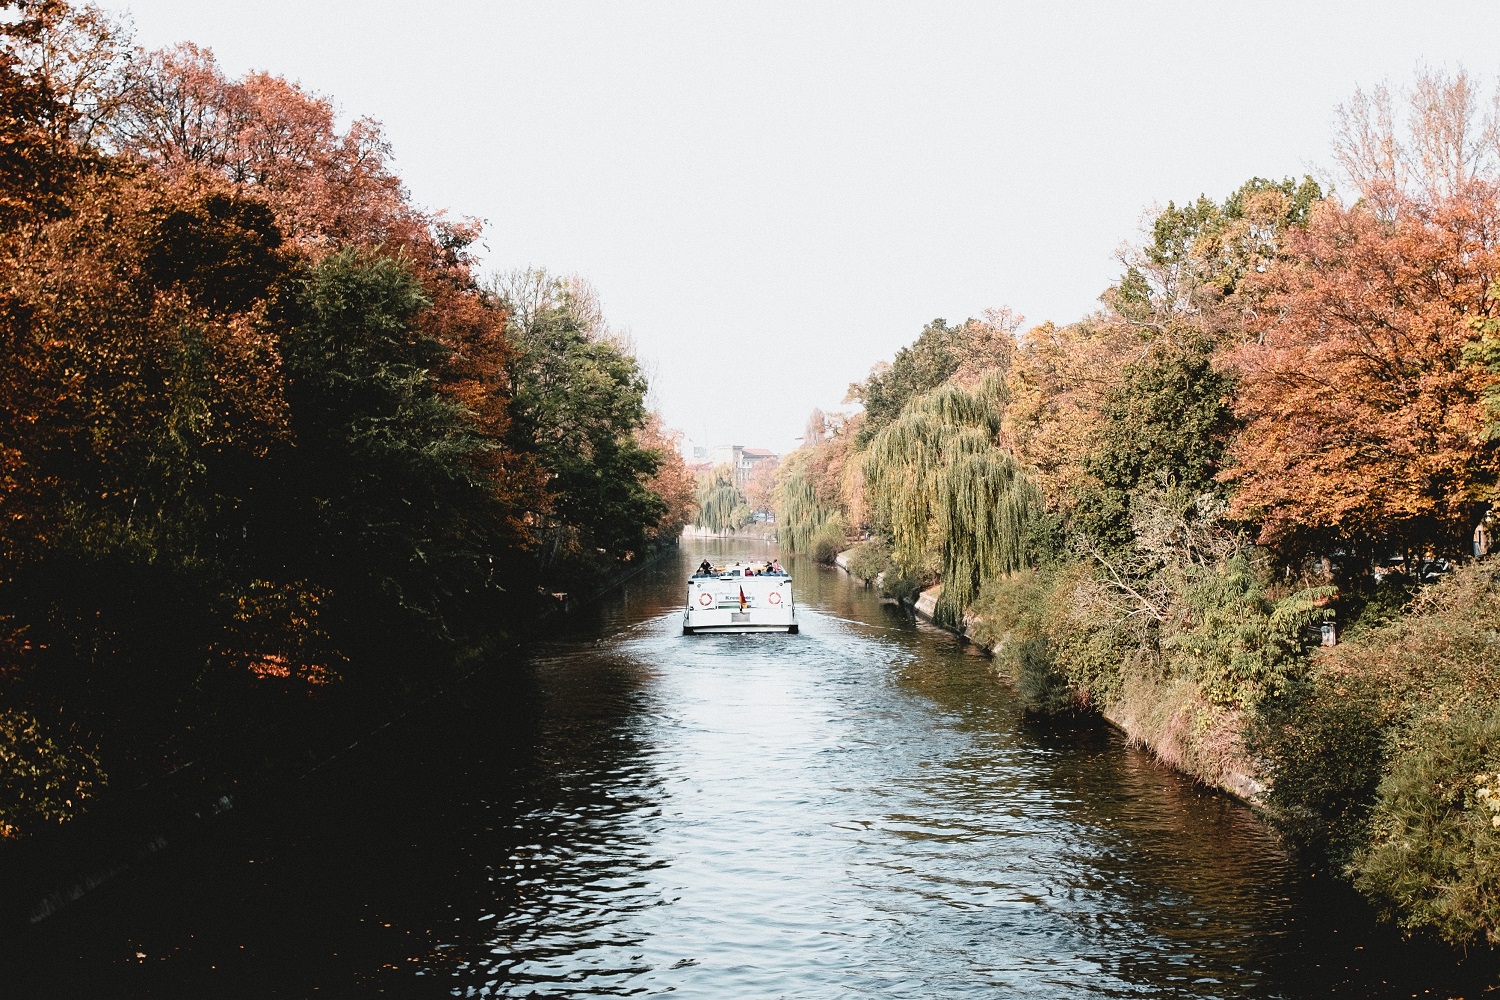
column 1283, row 420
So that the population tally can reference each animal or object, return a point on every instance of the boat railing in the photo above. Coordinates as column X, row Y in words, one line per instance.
column 737, row 575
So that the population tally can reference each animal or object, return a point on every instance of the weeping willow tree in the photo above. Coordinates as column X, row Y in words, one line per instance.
column 937, row 482
column 721, row 505
column 805, row 521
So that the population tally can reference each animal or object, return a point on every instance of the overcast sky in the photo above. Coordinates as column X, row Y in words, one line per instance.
column 772, row 197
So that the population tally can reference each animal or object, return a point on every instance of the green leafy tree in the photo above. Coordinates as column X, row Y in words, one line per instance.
column 384, row 481
column 1484, row 353
column 1168, row 420
column 940, row 353
column 579, row 400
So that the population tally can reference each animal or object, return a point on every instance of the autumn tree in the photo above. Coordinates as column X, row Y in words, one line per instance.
column 1134, row 397
column 137, row 369
column 264, row 429
column 1056, row 390
column 80, row 53
column 38, row 162
column 163, row 409
column 760, row 486
column 672, row 481
column 1403, row 149
column 1363, row 424
column 818, row 496
column 1364, row 414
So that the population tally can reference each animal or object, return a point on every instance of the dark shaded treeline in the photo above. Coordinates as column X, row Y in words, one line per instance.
column 266, row 437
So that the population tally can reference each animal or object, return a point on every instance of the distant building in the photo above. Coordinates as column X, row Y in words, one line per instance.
column 743, row 460
column 752, row 459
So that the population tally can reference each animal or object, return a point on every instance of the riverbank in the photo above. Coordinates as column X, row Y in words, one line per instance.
column 1378, row 759
column 756, row 532
column 44, row 873
column 1169, row 720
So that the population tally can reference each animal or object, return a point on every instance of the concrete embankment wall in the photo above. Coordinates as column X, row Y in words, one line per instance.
column 1174, row 728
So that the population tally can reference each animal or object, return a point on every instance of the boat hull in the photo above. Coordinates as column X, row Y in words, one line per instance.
column 736, row 629
column 737, row 605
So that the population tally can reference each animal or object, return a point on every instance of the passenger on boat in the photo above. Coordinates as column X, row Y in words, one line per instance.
column 705, row 568
column 776, row 569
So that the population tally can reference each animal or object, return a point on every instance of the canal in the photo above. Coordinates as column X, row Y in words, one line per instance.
column 860, row 810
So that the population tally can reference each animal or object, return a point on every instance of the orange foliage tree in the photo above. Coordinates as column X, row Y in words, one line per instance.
column 161, row 225
column 760, row 487
column 127, row 375
column 333, row 189
column 1057, row 386
column 1363, row 425
column 672, row 481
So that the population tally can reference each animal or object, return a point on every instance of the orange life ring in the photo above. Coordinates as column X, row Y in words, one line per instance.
column 705, row 598
column 775, row 598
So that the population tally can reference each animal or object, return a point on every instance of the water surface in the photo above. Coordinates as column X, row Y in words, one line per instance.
column 860, row 810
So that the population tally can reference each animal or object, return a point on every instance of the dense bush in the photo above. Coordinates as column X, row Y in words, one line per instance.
column 1374, row 759
column 1092, row 637
column 869, row 559
column 43, row 779
column 903, row 584
column 1010, row 618
column 1433, row 860
column 1321, row 748
column 1234, row 636
column 1041, row 687
column 829, row 539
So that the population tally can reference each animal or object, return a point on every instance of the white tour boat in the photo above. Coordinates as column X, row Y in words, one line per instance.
column 739, row 597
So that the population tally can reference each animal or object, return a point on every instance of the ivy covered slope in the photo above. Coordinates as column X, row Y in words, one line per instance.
column 268, row 440
column 1280, row 429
